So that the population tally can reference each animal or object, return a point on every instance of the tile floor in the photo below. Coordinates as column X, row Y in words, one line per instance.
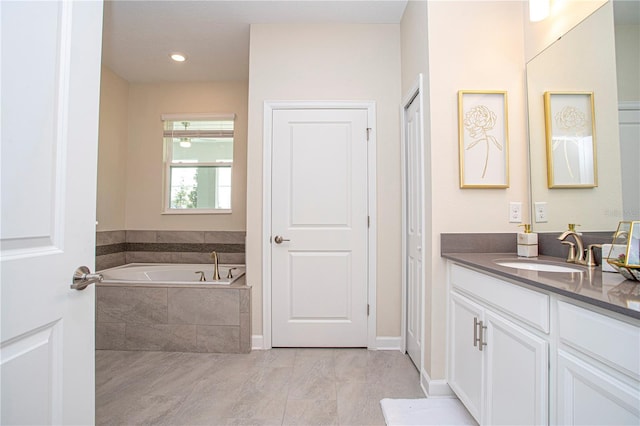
column 276, row 387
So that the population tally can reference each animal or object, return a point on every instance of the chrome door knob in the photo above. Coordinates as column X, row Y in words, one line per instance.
column 279, row 240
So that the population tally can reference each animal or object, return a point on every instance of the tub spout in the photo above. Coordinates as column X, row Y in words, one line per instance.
column 216, row 271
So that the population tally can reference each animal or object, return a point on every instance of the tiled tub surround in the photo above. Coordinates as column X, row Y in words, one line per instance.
column 115, row 248
column 187, row 318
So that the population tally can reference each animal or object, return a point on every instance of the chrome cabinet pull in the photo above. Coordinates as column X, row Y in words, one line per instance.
column 82, row 278
column 475, row 331
column 481, row 329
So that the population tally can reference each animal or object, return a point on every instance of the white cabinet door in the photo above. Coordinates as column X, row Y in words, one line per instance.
column 465, row 367
column 588, row 395
column 516, row 374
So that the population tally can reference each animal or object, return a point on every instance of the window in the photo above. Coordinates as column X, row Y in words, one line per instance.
column 198, row 163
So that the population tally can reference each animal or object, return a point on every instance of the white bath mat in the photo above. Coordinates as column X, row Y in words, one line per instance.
column 425, row 411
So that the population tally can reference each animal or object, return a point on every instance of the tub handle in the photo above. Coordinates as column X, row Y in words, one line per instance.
column 229, row 275
column 202, row 278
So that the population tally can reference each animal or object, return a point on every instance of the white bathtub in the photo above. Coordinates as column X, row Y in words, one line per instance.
column 168, row 274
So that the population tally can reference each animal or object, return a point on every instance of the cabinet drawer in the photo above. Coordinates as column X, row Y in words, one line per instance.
column 611, row 341
column 529, row 306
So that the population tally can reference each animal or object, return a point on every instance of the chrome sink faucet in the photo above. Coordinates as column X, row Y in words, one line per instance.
column 576, row 254
column 216, row 271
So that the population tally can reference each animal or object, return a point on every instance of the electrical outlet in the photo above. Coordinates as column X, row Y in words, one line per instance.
column 515, row 212
column 540, row 208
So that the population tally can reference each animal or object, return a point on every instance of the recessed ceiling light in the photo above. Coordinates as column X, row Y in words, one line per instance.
column 178, row 57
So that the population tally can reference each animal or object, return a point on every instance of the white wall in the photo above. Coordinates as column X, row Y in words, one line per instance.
column 330, row 62
column 415, row 61
column 147, row 102
column 112, row 147
column 628, row 62
column 471, row 46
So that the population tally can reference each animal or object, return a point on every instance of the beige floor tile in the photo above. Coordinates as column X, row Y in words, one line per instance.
column 276, row 387
column 311, row 412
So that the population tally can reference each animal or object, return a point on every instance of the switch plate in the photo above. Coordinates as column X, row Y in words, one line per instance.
column 540, row 208
column 515, row 212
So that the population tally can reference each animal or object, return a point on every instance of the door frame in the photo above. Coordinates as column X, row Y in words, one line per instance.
column 416, row 93
column 269, row 108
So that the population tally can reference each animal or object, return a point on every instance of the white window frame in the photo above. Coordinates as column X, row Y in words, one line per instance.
column 169, row 164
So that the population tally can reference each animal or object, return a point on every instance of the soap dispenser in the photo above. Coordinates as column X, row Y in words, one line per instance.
column 527, row 242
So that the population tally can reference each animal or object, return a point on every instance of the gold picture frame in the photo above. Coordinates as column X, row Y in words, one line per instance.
column 571, row 140
column 483, row 123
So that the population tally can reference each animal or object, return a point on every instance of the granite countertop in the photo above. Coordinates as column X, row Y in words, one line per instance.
column 606, row 290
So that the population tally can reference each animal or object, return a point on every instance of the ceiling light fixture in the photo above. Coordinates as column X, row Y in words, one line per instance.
column 178, row 57
column 538, row 10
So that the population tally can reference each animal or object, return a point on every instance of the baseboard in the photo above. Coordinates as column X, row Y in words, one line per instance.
column 386, row 343
column 257, row 342
column 435, row 388
column 383, row 343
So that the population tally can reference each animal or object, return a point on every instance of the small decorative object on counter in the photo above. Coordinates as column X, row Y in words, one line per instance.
column 624, row 255
column 527, row 242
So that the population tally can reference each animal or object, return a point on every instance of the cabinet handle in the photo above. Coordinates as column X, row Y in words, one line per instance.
column 482, row 328
column 475, row 331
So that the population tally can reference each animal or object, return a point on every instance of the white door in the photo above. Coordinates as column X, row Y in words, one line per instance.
column 413, row 229
column 516, row 374
column 319, row 209
column 50, row 92
column 465, row 368
column 630, row 158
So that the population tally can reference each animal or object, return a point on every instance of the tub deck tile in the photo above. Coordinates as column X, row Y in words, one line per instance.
column 161, row 337
column 221, row 339
column 203, row 306
column 131, row 305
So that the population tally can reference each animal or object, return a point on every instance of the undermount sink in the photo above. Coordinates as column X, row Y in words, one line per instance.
column 536, row 266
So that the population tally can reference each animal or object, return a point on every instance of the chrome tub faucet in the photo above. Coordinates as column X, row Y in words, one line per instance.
column 216, row 271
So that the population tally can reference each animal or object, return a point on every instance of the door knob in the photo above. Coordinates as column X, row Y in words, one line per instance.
column 82, row 278
column 279, row 240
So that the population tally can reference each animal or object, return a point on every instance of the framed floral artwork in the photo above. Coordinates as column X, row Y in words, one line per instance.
column 483, row 139
column 571, row 143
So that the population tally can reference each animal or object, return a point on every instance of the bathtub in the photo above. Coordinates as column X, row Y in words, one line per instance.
column 165, row 307
column 162, row 274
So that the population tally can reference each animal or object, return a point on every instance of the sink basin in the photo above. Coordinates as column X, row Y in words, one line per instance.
column 537, row 266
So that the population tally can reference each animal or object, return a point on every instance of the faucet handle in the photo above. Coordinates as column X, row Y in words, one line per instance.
column 591, row 261
column 571, row 257
column 229, row 274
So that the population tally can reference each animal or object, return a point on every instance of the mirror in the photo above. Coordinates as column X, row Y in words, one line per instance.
column 582, row 61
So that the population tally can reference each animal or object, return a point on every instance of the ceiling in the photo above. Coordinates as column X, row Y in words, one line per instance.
column 138, row 36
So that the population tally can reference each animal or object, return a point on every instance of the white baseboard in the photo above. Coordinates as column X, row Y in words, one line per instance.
column 435, row 388
column 257, row 342
column 383, row 343
column 386, row 343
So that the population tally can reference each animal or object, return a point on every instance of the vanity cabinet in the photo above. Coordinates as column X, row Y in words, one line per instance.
column 498, row 366
column 598, row 368
column 517, row 355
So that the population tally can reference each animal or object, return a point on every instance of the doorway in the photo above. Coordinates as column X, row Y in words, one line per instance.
column 319, row 240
